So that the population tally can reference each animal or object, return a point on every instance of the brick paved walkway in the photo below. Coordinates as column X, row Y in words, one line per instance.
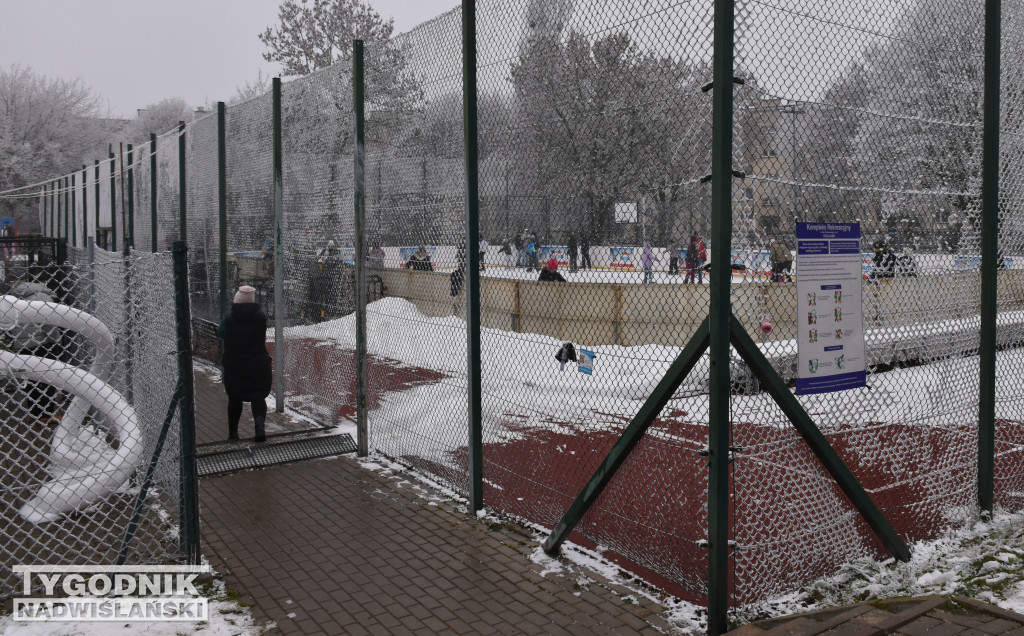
column 212, row 412
column 332, row 547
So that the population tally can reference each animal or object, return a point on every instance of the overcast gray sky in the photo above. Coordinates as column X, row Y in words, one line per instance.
column 137, row 52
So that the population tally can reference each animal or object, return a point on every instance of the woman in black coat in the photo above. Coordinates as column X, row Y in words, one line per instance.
column 247, row 365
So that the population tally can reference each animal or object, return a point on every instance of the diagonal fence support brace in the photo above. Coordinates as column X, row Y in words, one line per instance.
column 802, row 422
column 133, row 522
column 676, row 373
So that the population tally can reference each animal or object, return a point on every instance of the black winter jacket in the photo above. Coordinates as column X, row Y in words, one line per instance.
column 247, row 365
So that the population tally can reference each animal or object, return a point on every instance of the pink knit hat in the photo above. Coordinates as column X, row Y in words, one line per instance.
column 552, row 264
column 245, row 294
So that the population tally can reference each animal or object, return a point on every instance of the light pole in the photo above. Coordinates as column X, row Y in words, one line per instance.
column 793, row 110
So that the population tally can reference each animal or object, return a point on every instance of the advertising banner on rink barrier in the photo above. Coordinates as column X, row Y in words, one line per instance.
column 830, row 324
column 557, row 252
column 622, row 257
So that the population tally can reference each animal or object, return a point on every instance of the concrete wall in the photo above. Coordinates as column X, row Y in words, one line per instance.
column 668, row 314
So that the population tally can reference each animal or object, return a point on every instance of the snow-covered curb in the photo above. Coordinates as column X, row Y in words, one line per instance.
column 983, row 560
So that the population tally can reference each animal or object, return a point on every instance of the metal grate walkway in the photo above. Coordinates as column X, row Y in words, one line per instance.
column 230, row 458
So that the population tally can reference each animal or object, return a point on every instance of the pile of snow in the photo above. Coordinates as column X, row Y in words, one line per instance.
column 521, row 376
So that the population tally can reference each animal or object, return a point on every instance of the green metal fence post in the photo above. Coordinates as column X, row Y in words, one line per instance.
column 85, row 205
column 57, row 192
column 91, row 254
column 113, row 202
column 129, row 275
column 61, row 275
column 182, row 198
column 989, row 256
column 222, row 205
column 152, row 190
column 473, row 365
column 278, row 251
column 359, row 188
column 124, row 203
column 47, row 221
column 186, row 408
column 96, row 212
column 189, row 479
column 719, row 436
column 67, row 206
column 74, row 204
column 129, row 238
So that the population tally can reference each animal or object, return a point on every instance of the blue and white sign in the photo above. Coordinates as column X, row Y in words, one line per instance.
column 622, row 257
column 586, row 361
column 963, row 263
column 405, row 253
column 557, row 252
column 830, row 324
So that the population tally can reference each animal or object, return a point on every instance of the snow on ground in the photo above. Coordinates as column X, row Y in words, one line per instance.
column 521, row 375
column 983, row 561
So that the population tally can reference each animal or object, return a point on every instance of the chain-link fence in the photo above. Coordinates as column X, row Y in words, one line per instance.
column 90, row 445
column 595, row 221
column 870, row 114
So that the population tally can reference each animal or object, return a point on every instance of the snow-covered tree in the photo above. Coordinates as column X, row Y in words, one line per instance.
column 158, row 118
column 825, row 150
column 922, row 138
column 1011, row 143
column 607, row 121
column 919, row 141
column 314, row 39
column 250, row 90
column 48, row 126
column 316, row 34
